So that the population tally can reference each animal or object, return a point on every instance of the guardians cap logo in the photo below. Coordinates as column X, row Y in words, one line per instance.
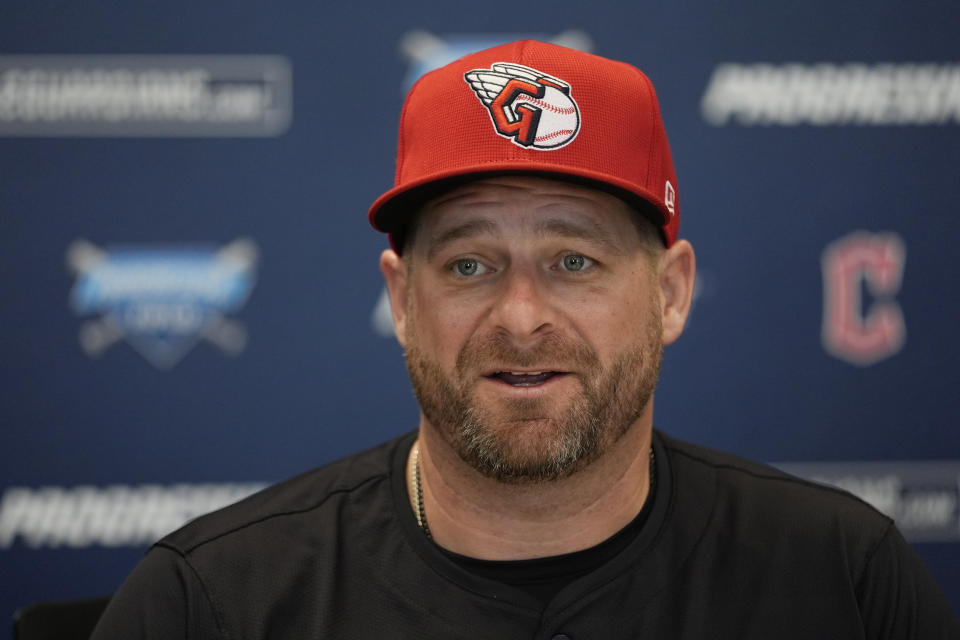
column 162, row 300
column 527, row 106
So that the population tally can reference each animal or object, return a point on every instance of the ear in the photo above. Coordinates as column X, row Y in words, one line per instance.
column 395, row 274
column 677, row 272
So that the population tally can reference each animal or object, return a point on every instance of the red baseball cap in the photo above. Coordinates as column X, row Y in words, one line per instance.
column 532, row 108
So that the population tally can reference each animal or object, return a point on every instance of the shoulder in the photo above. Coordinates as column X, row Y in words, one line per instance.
column 244, row 566
column 306, row 496
column 760, row 502
column 782, row 539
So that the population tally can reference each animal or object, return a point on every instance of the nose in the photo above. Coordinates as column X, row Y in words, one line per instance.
column 523, row 307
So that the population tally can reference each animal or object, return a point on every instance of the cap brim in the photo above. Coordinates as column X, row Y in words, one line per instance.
column 391, row 211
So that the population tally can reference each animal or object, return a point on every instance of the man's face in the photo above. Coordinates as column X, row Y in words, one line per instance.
column 532, row 327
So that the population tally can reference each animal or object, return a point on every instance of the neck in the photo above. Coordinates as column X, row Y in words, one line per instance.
column 473, row 515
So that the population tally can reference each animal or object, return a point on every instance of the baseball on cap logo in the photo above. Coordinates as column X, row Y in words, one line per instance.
column 527, row 106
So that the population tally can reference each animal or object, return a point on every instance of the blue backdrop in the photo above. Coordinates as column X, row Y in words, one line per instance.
column 191, row 305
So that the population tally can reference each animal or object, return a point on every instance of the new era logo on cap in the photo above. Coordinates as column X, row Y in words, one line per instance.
column 670, row 199
column 527, row 106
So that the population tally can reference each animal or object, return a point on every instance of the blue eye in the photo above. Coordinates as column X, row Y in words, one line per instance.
column 575, row 262
column 468, row 267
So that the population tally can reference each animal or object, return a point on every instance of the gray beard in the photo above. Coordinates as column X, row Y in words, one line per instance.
column 534, row 443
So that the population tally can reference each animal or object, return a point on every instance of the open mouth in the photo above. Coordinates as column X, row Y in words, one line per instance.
column 524, row 378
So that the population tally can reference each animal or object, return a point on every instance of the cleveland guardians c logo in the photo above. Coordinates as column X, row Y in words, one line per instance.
column 529, row 107
column 854, row 330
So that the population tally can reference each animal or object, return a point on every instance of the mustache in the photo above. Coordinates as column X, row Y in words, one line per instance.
column 553, row 350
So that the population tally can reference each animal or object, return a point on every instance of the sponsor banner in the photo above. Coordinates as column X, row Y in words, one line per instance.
column 833, row 94
column 157, row 95
column 162, row 300
column 113, row 516
column 922, row 497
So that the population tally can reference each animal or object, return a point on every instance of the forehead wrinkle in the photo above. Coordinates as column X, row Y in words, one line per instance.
column 468, row 229
column 582, row 229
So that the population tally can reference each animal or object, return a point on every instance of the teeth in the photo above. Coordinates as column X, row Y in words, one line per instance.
column 525, row 373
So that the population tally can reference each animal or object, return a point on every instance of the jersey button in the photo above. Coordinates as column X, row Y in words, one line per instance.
column 561, row 636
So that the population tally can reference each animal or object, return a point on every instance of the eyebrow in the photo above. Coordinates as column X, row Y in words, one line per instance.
column 587, row 230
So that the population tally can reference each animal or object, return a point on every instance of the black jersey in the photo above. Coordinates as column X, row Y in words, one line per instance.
column 727, row 549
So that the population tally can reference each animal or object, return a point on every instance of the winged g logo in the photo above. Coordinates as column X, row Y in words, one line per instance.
column 162, row 300
column 527, row 106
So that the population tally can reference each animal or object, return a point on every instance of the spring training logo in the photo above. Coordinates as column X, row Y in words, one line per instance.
column 162, row 300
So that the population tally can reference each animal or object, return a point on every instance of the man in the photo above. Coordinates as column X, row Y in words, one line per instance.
column 534, row 275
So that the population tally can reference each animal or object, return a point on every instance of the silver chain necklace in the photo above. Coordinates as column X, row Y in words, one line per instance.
column 418, row 492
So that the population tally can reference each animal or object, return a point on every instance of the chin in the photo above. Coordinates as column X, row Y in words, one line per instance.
column 527, row 451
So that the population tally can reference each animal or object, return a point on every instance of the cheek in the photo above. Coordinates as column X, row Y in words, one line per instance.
column 441, row 326
column 611, row 319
